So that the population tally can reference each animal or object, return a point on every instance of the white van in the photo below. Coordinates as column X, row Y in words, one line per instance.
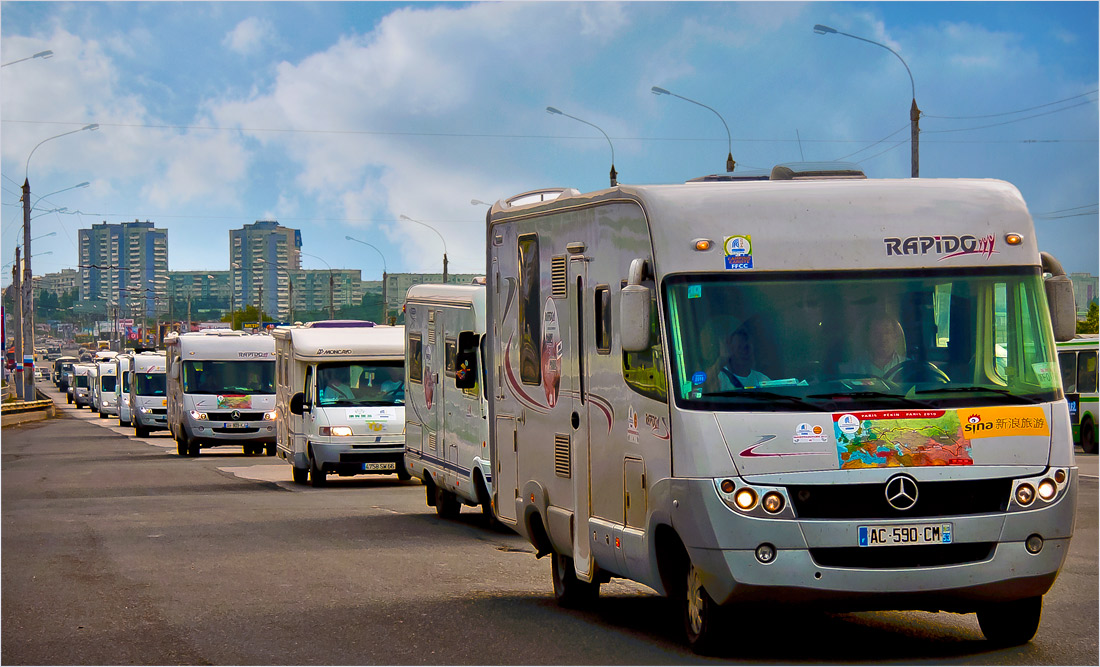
column 340, row 394
column 686, row 390
column 122, row 402
column 83, row 379
column 148, row 392
column 446, row 415
column 106, row 394
column 221, row 390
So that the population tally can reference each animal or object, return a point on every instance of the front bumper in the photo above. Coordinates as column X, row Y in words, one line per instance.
column 339, row 456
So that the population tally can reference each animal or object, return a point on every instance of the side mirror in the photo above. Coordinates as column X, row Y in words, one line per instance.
column 466, row 370
column 297, row 404
column 634, row 315
column 1059, row 289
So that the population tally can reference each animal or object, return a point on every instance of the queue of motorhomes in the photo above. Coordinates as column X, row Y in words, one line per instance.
column 340, row 395
column 83, row 379
column 122, row 397
column 148, row 392
column 446, row 412
column 221, row 390
column 809, row 388
column 106, row 393
column 61, row 366
column 1077, row 359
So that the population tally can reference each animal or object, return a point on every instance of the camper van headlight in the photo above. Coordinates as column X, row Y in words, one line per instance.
column 334, row 430
column 144, row 410
column 201, row 416
column 271, row 415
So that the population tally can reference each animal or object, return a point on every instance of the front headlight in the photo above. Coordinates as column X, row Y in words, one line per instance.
column 195, row 414
column 144, row 410
column 334, row 430
column 271, row 415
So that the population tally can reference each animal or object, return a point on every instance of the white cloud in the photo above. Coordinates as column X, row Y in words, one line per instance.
column 250, row 36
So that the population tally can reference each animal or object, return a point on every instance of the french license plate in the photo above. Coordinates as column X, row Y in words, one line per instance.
column 235, row 425
column 907, row 534
column 380, row 466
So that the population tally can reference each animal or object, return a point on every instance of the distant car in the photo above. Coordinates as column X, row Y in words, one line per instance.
column 39, row 375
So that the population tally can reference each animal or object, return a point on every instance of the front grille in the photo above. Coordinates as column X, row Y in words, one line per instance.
column 228, row 416
column 235, row 430
column 868, row 501
column 369, row 457
column 886, row 558
column 158, row 411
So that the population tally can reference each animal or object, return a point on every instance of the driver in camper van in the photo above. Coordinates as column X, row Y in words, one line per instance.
column 737, row 371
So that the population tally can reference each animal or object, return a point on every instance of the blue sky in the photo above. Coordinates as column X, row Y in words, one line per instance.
column 338, row 118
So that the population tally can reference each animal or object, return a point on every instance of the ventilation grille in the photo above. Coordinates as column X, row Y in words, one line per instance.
column 431, row 441
column 562, row 457
column 559, row 279
column 431, row 333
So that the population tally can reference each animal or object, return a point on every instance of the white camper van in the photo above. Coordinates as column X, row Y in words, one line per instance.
column 806, row 389
column 148, row 393
column 106, row 396
column 446, row 415
column 221, row 390
column 83, row 377
column 122, row 401
column 340, row 393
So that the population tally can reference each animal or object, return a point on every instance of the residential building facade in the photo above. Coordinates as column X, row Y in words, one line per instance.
column 125, row 265
column 261, row 256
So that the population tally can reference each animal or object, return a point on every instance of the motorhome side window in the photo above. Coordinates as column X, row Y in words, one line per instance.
column 450, row 351
column 603, row 319
column 530, row 311
column 416, row 359
column 466, row 360
column 307, row 385
column 644, row 371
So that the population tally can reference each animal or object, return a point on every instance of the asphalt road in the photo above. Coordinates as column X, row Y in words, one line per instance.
column 117, row 551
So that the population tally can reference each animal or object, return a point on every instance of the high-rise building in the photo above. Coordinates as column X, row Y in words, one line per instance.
column 317, row 289
column 204, row 291
column 125, row 265
column 59, row 283
column 261, row 257
column 1084, row 291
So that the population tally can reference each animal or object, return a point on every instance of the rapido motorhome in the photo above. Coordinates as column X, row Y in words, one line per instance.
column 221, row 390
column 340, row 393
column 148, row 392
column 446, row 416
column 686, row 391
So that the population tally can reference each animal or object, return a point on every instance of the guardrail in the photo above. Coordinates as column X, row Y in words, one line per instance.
column 26, row 411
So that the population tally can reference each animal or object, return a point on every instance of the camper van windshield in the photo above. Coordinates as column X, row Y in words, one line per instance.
column 361, row 383
column 81, row 381
column 229, row 377
column 107, row 383
column 149, row 384
column 860, row 340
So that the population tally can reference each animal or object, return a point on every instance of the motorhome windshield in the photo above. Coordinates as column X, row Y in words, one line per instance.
column 125, row 383
column 150, row 384
column 81, row 381
column 361, row 383
column 860, row 340
column 107, row 383
column 229, row 377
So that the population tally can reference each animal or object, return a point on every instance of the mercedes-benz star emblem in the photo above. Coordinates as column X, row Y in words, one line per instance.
column 901, row 492
column 236, row 415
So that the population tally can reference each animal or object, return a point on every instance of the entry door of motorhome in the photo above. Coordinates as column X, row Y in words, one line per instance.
column 577, row 350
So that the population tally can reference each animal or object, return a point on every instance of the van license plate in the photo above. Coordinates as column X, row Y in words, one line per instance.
column 380, row 466
column 235, row 425
column 897, row 535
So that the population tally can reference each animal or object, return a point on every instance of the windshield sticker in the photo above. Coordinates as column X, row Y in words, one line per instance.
column 808, row 433
column 695, row 291
column 738, row 252
column 699, row 377
column 234, row 402
column 945, row 246
column 891, row 438
column 1004, row 421
column 1044, row 371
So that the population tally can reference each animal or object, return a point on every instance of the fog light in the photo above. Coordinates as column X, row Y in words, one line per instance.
column 1034, row 544
column 745, row 499
column 727, row 486
column 765, row 553
column 773, row 502
column 1060, row 476
column 1025, row 494
column 1047, row 489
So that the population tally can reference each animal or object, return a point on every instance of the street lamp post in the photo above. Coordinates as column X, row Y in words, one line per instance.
column 614, row 174
column 41, row 54
column 730, row 164
column 27, row 292
column 385, row 278
column 405, row 217
column 914, row 112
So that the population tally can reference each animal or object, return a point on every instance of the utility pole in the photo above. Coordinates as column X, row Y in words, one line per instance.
column 331, row 310
column 27, row 295
column 17, row 292
column 914, row 129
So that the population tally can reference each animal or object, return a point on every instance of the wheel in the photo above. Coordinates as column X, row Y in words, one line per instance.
column 486, row 503
column 193, row 449
column 271, row 449
column 446, row 504
column 1011, row 623
column 69, row 399
column 317, row 477
column 403, row 474
column 182, row 448
column 141, row 431
column 248, row 450
column 122, row 423
column 429, row 490
column 102, row 415
column 300, row 475
column 1088, row 436
column 700, row 614
column 569, row 591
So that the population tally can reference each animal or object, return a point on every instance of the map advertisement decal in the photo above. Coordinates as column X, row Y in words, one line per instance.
column 896, row 438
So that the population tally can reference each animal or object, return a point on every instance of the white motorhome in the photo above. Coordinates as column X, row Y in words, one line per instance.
column 149, row 392
column 446, row 412
column 83, row 378
column 93, row 387
column 685, row 392
column 221, row 390
column 122, row 401
column 340, row 394
column 106, row 395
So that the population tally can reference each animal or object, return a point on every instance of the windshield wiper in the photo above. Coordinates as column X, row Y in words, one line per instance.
column 873, row 394
column 759, row 395
column 992, row 390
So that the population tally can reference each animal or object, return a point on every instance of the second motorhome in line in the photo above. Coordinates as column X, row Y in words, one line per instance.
column 803, row 390
column 83, row 377
column 106, row 394
column 122, row 400
column 148, row 392
column 221, row 390
column 446, row 415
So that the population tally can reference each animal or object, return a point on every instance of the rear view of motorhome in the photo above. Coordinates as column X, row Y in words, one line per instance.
column 812, row 388
column 149, row 393
column 446, row 432
column 221, row 390
column 341, row 399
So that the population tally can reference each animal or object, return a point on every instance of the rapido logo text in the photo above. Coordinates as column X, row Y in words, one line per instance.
column 254, row 355
column 946, row 246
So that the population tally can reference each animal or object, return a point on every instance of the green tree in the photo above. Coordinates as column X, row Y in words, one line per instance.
column 1089, row 324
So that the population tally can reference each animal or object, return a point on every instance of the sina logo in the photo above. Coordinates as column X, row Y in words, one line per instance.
column 975, row 424
column 974, row 419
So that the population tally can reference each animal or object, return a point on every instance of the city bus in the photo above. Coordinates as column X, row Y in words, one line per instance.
column 1077, row 360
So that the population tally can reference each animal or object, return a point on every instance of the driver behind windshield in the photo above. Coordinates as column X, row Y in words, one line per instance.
column 335, row 389
column 885, row 350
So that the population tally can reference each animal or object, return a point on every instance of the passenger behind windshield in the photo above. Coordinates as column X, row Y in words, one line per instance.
column 360, row 384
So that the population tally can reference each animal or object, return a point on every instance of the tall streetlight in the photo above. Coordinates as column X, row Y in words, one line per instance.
column 478, row 202
column 385, row 278
column 331, row 308
column 71, row 187
column 914, row 112
column 730, row 164
column 41, row 54
column 28, row 293
column 614, row 174
column 405, row 217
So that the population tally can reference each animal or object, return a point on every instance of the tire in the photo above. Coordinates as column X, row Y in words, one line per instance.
column 569, row 591
column 271, row 449
column 403, row 473
column 1011, row 623
column 182, row 448
column 248, row 450
column 300, row 475
column 429, row 490
column 317, row 477
column 446, row 504
column 193, row 449
column 1088, row 436
column 102, row 415
column 69, row 399
column 140, row 431
column 486, row 503
column 701, row 615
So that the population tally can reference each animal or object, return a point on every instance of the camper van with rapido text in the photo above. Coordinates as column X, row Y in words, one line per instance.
column 340, row 393
column 811, row 388
column 148, row 392
column 446, row 416
column 221, row 390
